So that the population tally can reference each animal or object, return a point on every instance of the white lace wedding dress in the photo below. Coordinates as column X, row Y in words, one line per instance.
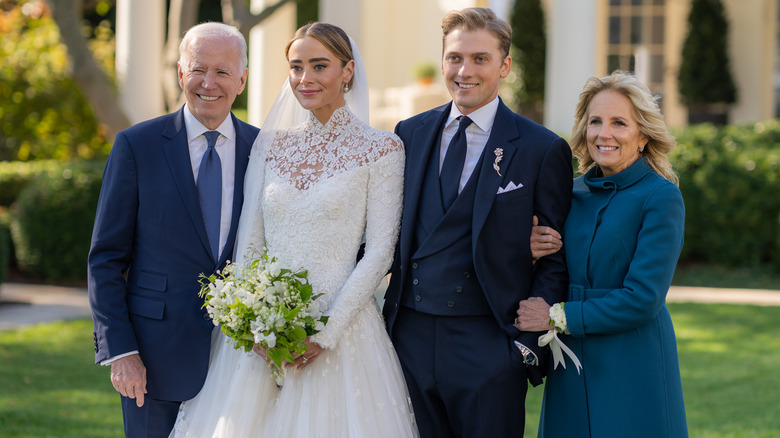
column 327, row 187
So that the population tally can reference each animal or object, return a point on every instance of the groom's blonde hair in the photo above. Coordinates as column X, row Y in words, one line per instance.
column 471, row 19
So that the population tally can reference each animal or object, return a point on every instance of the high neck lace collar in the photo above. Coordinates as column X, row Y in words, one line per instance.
column 339, row 121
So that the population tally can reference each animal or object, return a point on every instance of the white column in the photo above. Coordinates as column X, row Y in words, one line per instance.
column 267, row 64
column 140, row 36
column 571, row 59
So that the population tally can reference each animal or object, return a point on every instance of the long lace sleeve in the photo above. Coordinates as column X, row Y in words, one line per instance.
column 383, row 216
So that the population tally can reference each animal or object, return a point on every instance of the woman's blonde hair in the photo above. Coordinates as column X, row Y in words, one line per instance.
column 646, row 112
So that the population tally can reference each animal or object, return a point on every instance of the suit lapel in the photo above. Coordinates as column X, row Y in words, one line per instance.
column 502, row 136
column 425, row 138
column 177, row 152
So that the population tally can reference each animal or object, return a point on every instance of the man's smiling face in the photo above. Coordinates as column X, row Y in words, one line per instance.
column 211, row 78
column 473, row 66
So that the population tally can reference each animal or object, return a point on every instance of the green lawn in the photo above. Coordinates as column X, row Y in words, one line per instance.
column 729, row 358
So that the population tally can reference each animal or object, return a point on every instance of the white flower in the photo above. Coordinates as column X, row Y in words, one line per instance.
column 558, row 318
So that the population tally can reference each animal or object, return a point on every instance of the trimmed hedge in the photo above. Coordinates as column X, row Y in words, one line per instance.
column 14, row 175
column 730, row 181
column 51, row 221
column 5, row 251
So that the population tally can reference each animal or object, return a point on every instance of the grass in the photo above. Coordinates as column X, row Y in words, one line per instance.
column 729, row 356
column 50, row 387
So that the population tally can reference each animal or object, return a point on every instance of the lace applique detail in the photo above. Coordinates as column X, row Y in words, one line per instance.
column 314, row 151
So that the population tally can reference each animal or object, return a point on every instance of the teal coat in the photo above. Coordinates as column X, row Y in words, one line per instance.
column 623, row 237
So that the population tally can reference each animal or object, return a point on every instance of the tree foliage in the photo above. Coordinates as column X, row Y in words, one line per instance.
column 43, row 114
column 530, row 51
column 705, row 75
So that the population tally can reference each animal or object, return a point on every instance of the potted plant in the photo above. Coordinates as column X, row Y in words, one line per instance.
column 425, row 72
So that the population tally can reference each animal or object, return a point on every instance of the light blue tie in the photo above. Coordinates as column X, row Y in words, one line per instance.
column 210, row 191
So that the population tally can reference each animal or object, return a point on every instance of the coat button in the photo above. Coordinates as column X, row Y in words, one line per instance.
column 206, row 316
column 450, row 304
column 415, row 282
column 415, row 265
column 467, row 274
column 417, row 298
column 459, row 289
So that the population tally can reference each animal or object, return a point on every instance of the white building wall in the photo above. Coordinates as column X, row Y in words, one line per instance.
column 752, row 46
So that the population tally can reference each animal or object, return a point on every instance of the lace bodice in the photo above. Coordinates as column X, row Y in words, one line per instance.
column 316, row 151
column 327, row 186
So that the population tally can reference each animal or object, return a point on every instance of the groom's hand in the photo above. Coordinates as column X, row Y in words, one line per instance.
column 128, row 375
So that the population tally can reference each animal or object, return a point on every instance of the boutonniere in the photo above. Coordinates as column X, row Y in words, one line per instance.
column 499, row 156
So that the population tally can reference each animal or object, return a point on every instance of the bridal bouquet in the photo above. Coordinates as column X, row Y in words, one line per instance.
column 266, row 304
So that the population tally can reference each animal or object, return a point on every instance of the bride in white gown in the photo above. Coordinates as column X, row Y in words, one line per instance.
column 320, row 182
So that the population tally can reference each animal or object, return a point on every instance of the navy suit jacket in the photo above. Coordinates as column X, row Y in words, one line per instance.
column 501, row 226
column 149, row 245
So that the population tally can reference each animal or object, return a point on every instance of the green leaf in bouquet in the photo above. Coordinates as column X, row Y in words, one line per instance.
column 284, row 352
column 306, row 292
column 291, row 314
column 275, row 356
column 297, row 333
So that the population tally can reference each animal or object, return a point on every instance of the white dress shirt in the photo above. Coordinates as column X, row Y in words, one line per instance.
column 226, row 149
column 477, row 135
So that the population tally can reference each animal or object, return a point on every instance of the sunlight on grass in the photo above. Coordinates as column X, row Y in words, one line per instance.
column 729, row 357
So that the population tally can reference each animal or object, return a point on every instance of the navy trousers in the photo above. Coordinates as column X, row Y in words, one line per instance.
column 154, row 419
column 465, row 376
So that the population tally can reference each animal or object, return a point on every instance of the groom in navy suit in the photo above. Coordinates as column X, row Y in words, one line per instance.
column 168, row 211
column 476, row 174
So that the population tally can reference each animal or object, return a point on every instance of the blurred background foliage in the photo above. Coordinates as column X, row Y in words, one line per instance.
column 43, row 115
column 52, row 153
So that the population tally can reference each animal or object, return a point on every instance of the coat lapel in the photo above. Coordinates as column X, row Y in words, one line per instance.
column 503, row 134
column 177, row 152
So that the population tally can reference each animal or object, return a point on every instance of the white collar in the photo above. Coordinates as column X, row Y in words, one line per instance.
column 482, row 117
column 195, row 128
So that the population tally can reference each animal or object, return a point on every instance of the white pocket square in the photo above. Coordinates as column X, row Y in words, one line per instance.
column 509, row 187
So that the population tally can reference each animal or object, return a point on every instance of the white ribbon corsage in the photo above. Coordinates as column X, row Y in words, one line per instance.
column 558, row 323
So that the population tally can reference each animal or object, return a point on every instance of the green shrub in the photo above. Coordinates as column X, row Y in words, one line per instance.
column 51, row 221
column 15, row 174
column 730, row 180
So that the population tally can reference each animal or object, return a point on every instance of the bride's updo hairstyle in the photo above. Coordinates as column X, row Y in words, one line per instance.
column 332, row 37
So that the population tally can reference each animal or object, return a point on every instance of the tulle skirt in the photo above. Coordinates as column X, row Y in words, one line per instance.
column 354, row 390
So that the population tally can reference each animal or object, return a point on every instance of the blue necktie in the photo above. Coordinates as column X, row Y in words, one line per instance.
column 452, row 167
column 210, row 191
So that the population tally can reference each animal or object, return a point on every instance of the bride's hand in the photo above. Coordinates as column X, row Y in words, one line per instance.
column 260, row 351
column 306, row 358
